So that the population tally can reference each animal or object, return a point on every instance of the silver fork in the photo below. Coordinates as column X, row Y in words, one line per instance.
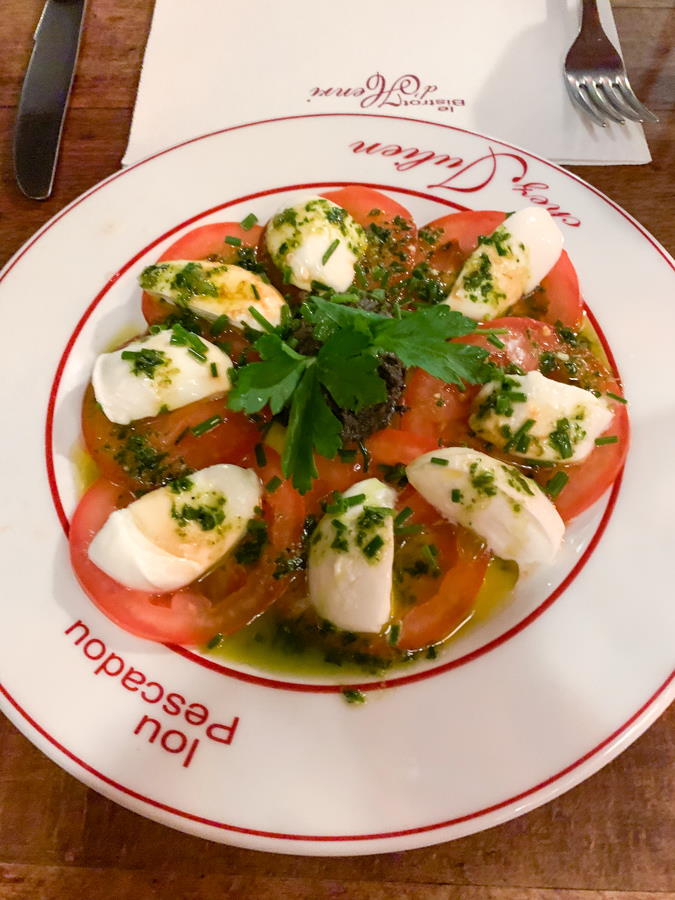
column 596, row 76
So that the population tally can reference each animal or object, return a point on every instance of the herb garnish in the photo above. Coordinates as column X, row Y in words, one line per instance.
column 145, row 361
column 345, row 370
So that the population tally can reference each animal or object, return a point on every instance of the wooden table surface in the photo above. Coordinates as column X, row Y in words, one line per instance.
column 611, row 838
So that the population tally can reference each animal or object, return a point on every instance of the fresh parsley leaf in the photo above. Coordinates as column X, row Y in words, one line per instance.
column 311, row 426
column 330, row 317
column 347, row 367
column 421, row 338
column 271, row 381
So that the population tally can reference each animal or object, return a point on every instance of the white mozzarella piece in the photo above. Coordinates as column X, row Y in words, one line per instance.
column 171, row 536
column 128, row 388
column 347, row 586
column 507, row 264
column 216, row 289
column 314, row 239
column 505, row 508
column 552, row 417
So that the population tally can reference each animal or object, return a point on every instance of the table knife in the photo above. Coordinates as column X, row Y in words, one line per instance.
column 44, row 96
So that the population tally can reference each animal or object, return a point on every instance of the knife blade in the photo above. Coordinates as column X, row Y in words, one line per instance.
column 44, row 96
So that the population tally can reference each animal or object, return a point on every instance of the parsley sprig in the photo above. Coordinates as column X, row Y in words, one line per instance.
column 345, row 368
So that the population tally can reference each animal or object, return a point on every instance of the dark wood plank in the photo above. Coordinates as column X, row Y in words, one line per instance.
column 46, row 883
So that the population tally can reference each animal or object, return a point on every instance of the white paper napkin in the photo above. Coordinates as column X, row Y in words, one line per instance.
column 492, row 66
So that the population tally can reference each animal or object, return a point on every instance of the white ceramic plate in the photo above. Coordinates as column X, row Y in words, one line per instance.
column 515, row 712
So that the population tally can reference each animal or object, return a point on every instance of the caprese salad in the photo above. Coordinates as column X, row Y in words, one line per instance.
column 339, row 426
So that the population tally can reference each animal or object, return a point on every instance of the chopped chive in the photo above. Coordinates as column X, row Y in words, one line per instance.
column 233, row 241
column 402, row 517
column 261, row 320
column 273, row 484
column 353, row 696
column 155, row 329
column 610, row 439
column 430, row 552
column 219, row 325
column 408, row 529
column 181, row 436
column 456, row 495
column 373, row 546
column 214, row 369
column 520, row 440
column 255, row 292
column 616, row 397
column 432, row 653
column 539, row 462
column 319, row 286
column 438, row 461
column 286, row 274
column 197, row 354
column 394, row 634
column 347, row 455
column 554, row 485
column 494, row 340
column 249, row 221
column 331, row 250
column 355, row 500
column 260, row 455
column 215, row 640
column 206, row 425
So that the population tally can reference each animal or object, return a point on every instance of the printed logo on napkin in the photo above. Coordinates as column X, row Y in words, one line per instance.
column 379, row 92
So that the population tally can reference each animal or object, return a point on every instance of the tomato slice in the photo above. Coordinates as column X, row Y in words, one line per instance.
column 334, row 475
column 183, row 617
column 560, row 294
column 396, row 445
column 436, row 411
column 200, row 243
column 258, row 589
column 524, row 341
column 222, row 602
column 450, row 604
column 151, row 451
column 391, row 230
column 445, row 244
column 461, row 229
column 589, row 481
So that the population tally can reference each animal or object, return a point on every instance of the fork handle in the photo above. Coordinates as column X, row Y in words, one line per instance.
column 590, row 17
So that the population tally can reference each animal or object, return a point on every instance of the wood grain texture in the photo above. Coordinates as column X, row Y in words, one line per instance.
column 611, row 838
column 45, row 882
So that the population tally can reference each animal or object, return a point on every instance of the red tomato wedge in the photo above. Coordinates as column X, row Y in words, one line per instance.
column 183, row 617
column 393, row 445
column 258, row 589
column 437, row 412
column 150, row 451
column 366, row 205
column 449, row 606
column 220, row 603
column 200, row 243
column 524, row 341
column 589, row 481
column 456, row 236
column 560, row 296
column 390, row 227
column 463, row 229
